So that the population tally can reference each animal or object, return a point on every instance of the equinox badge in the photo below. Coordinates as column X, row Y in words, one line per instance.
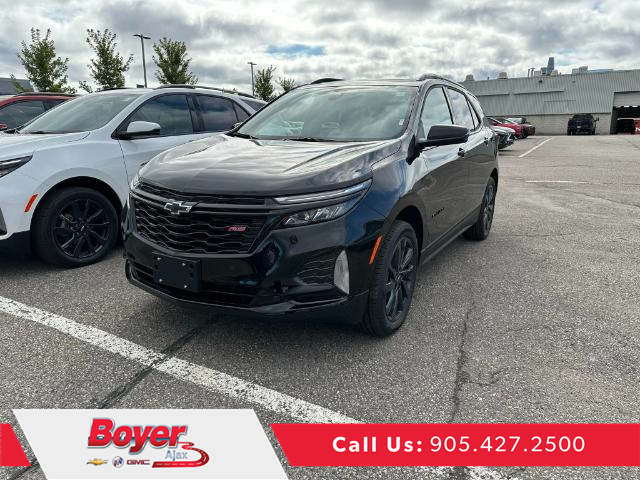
column 177, row 207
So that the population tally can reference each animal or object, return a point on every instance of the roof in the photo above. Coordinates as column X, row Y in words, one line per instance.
column 7, row 87
column 556, row 94
column 398, row 82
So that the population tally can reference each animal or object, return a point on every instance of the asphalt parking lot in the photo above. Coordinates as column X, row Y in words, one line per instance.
column 539, row 323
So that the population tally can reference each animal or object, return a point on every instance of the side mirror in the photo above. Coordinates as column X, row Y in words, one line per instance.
column 3, row 126
column 444, row 135
column 140, row 129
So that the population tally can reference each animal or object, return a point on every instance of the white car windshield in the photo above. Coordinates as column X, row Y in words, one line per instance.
column 340, row 114
column 81, row 114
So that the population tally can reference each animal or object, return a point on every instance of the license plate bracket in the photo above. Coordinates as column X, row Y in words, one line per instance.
column 176, row 272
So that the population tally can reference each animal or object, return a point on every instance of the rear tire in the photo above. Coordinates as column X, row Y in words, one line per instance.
column 393, row 282
column 76, row 226
column 480, row 230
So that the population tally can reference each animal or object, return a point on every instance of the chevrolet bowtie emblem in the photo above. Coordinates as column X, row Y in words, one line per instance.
column 176, row 207
column 96, row 462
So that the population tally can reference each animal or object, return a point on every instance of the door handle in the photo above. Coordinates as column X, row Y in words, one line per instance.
column 461, row 152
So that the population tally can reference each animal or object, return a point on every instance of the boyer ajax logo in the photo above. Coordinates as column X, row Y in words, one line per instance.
column 104, row 433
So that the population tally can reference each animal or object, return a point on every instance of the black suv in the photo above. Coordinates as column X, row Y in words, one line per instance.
column 582, row 123
column 322, row 204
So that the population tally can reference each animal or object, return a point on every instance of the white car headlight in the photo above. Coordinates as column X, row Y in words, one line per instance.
column 8, row 166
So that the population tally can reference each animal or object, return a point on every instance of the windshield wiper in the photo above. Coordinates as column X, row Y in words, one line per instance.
column 242, row 135
column 309, row 139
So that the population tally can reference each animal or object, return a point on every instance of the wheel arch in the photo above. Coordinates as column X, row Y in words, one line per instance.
column 411, row 214
column 87, row 182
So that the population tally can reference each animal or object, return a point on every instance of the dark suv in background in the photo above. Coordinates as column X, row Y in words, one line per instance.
column 19, row 109
column 322, row 204
column 582, row 123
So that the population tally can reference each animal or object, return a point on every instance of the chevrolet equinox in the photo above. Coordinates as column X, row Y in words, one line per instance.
column 322, row 204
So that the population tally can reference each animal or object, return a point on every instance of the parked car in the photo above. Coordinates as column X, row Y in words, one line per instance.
column 503, row 122
column 16, row 110
column 64, row 177
column 582, row 123
column 324, row 203
column 528, row 129
column 506, row 136
column 628, row 125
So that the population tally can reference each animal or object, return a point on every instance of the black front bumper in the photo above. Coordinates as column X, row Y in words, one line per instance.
column 17, row 244
column 289, row 274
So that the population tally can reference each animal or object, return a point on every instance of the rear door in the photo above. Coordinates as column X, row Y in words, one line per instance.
column 442, row 187
column 475, row 151
column 176, row 115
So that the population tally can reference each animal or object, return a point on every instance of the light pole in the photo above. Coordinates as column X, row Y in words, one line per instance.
column 253, row 88
column 144, row 65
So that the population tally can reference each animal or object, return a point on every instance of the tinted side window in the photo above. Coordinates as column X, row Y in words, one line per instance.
column 255, row 105
column 217, row 113
column 18, row 113
column 435, row 111
column 460, row 106
column 171, row 112
column 242, row 115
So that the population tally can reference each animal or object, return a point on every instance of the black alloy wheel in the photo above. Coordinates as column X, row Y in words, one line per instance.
column 74, row 227
column 480, row 230
column 82, row 228
column 393, row 281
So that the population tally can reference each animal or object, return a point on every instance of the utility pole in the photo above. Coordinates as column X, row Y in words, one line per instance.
column 253, row 88
column 144, row 65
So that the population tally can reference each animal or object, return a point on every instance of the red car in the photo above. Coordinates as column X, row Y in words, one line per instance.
column 503, row 122
column 18, row 109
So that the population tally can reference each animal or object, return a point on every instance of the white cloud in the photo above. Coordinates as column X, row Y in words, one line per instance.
column 379, row 38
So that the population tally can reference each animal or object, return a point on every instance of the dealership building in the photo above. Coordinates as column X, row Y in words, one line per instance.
column 548, row 99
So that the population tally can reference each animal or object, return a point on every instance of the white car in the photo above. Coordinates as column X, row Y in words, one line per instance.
column 64, row 177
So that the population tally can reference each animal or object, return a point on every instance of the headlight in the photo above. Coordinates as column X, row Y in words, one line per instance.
column 321, row 214
column 324, row 196
column 135, row 181
column 8, row 166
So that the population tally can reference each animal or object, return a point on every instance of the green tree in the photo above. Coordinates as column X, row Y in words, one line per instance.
column 108, row 67
column 173, row 63
column 286, row 84
column 46, row 71
column 263, row 86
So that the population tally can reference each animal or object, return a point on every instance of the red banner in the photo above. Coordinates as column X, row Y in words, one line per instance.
column 377, row 445
column 11, row 453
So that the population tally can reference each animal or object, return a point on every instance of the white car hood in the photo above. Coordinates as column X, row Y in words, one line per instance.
column 23, row 144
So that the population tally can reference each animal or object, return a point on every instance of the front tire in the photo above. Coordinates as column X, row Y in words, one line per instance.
column 76, row 226
column 480, row 230
column 393, row 282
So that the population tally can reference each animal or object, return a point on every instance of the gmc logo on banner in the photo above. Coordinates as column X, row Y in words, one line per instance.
column 137, row 462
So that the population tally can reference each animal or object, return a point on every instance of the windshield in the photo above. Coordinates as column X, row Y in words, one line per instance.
column 360, row 113
column 80, row 114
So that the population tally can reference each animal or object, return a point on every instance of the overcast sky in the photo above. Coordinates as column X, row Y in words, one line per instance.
column 306, row 40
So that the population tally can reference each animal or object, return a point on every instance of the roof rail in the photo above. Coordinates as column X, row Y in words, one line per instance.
column 325, row 80
column 114, row 88
column 427, row 76
column 223, row 90
column 59, row 94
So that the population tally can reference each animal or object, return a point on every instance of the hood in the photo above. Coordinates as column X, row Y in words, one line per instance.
column 232, row 165
column 17, row 145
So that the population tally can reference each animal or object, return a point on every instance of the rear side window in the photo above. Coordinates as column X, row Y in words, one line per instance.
column 218, row 113
column 171, row 112
column 242, row 114
column 461, row 111
column 255, row 105
column 19, row 113
column 435, row 111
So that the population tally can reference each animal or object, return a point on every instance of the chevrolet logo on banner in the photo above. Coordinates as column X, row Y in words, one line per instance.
column 96, row 462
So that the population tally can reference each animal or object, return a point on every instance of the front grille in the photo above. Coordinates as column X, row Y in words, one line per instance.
column 214, row 294
column 319, row 269
column 196, row 232
column 198, row 197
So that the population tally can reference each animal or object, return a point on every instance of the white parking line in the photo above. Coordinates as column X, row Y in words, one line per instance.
column 553, row 181
column 535, row 148
column 204, row 377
